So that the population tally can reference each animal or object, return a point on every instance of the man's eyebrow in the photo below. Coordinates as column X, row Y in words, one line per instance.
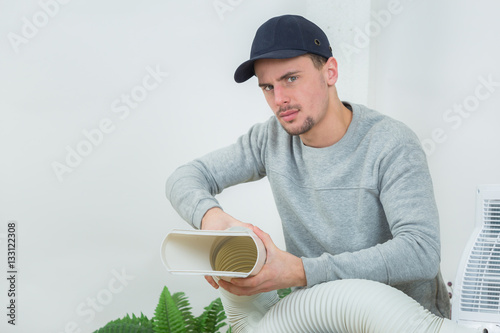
column 284, row 76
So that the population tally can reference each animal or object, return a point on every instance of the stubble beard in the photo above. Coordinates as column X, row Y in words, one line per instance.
column 306, row 126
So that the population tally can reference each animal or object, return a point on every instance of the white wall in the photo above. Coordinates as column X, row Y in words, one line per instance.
column 70, row 76
column 428, row 63
column 109, row 215
column 338, row 18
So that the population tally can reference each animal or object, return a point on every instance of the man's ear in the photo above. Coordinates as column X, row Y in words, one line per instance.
column 331, row 71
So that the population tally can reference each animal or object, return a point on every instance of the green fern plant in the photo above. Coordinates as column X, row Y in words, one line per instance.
column 128, row 324
column 173, row 315
column 212, row 319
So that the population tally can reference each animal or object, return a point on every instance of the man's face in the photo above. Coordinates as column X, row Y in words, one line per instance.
column 296, row 91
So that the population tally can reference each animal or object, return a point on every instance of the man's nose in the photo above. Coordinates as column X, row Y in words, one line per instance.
column 280, row 96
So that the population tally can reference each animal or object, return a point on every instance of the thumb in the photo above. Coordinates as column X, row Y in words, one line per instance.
column 264, row 237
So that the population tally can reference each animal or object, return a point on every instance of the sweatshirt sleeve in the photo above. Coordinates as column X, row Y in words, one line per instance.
column 406, row 195
column 192, row 187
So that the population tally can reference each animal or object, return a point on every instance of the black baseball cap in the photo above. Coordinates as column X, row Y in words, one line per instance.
column 283, row 37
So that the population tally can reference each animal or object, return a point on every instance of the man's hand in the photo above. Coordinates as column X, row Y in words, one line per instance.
column 281, row 270
column 216, row 219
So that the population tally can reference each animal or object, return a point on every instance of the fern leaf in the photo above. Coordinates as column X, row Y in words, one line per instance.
column 284, row 292
column 212, row 319
column 128, row 324
column 168, row 318
column 182, row 303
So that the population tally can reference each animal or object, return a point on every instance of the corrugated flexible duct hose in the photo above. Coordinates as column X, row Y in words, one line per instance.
column 343, row 306
column 354, row 306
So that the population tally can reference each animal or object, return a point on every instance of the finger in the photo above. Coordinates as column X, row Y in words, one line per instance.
column 249, row 226
column 237, row 290
column 242, row 224
column 249, row 282
column 266, row 239
column 228, row 286
column 211, row 281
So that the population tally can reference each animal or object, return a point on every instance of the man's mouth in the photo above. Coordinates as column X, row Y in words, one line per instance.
column 288, row 115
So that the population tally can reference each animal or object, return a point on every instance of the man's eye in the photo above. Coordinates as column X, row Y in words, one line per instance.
column 292, row 78
column 268, row 88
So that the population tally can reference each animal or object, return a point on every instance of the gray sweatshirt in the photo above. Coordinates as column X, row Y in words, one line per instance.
column 362, row 208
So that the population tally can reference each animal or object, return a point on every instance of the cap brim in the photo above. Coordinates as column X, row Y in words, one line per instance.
column 246, row 70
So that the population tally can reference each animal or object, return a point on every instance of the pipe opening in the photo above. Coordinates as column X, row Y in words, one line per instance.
column 234, row 254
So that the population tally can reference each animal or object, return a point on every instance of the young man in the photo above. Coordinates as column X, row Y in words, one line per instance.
column 351, row 185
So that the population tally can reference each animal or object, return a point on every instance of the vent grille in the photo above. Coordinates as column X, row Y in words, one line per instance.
column 481, row 284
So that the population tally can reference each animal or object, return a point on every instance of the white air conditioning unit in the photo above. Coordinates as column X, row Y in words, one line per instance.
column 476, row 294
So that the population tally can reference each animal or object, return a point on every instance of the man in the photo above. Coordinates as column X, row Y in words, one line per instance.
column 351, row 185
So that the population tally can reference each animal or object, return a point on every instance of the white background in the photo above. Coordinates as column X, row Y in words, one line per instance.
column 79, row 230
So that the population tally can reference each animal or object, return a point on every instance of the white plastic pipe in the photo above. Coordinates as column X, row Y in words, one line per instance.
column 236, row 252
column 343, row 306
